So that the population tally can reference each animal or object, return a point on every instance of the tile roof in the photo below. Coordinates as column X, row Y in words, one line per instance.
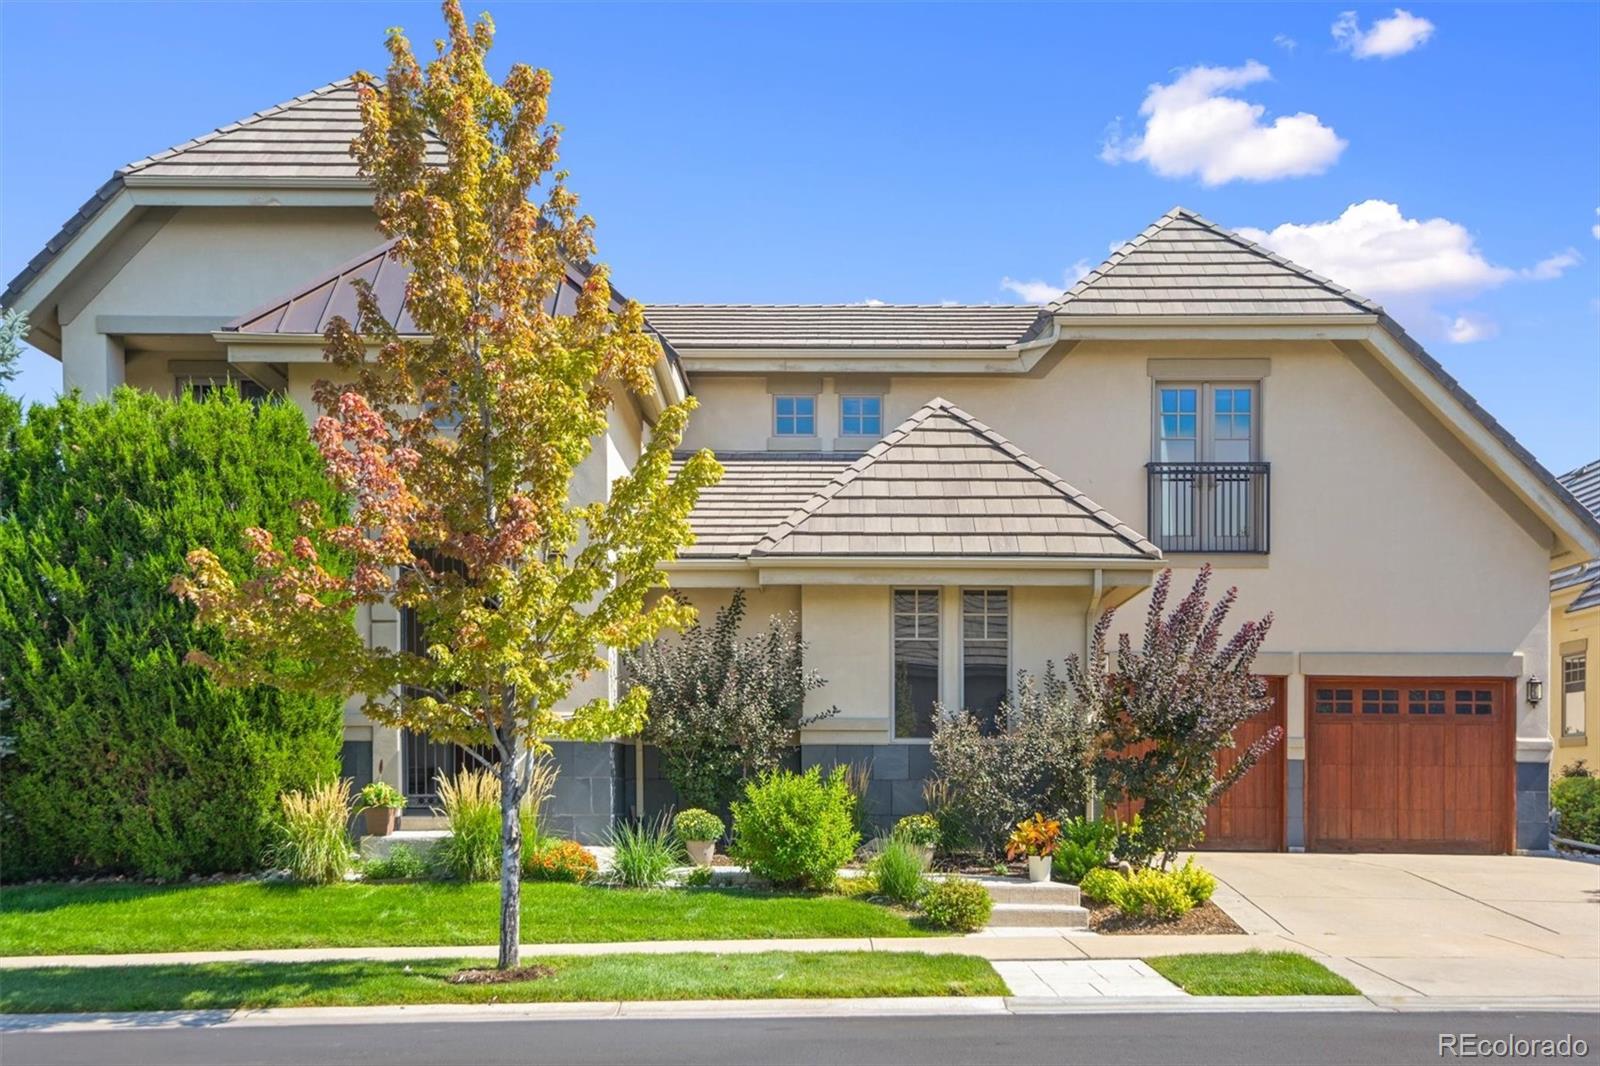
column 897, row 326
column 1584, row 484
column 943, row 484
column 303, row 141
column 1184, row 264
column 757, row 491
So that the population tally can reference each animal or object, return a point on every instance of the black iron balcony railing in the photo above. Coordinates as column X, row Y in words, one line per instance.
column 1210, row 507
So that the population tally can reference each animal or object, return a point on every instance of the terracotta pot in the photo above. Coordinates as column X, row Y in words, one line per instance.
column 380, row 821
column 700, row 851
column 1038, row 867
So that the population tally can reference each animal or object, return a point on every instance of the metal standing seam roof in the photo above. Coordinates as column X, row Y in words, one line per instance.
column 1584, row 484
column 1184, row 264
column 851, row 326
column 943, row 484
column 305, row 140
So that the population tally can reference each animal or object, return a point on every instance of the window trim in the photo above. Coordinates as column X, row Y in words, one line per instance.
column 1581, row 657
column 939, row 640
column 961, row 622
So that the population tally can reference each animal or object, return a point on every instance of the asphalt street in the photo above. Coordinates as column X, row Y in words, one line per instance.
column 1243, row 1038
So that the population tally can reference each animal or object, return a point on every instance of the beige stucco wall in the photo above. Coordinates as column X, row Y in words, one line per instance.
column 204, row 262
column 1574, row 634
column 1381, row 542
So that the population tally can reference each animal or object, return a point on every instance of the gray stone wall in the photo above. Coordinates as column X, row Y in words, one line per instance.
column 588, row 798
column 1533, row 806
column 898, row 772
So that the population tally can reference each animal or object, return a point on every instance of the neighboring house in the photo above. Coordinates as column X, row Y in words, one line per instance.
column 1575, row 643
column 946, row 495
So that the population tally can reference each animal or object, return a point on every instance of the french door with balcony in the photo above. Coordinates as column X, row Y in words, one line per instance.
column 1207, row 486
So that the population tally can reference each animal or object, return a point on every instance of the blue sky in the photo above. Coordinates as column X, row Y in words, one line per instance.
column 912, row 153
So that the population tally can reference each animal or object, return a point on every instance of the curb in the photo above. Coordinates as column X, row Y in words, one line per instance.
column 917, row 1006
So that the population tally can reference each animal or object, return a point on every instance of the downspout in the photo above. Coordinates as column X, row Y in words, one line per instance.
column 638, row 778
column 1091, row 618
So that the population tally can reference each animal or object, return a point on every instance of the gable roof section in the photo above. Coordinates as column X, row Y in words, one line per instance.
column 757, row 491
column 944, row 485
column 303, row 142
column 1184, row 264
column 844, row 326
column 1584, row 484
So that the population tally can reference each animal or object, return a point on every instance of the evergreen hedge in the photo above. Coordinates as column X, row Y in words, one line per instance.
column 121, row 758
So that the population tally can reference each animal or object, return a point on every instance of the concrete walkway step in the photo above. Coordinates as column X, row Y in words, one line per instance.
column 1018, row 890
column 1057, row 915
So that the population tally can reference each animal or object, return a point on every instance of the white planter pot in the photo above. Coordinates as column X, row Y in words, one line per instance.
column 925, row 853
column 1038, row 867
column 700, row 851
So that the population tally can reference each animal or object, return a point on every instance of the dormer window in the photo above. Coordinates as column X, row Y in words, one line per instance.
column 861, row 416
column 794, row 416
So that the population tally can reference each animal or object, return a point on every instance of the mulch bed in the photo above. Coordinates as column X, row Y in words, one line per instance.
column 500, row 977
column 1208, row 918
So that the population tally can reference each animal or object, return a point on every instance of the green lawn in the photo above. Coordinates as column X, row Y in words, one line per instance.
column 771, row 974
column 116, row 918
column 1252, row 973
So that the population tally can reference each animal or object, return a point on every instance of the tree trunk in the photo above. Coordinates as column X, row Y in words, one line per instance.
column 510, row 864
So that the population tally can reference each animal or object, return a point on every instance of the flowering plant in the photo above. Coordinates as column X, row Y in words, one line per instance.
column 1034, row 836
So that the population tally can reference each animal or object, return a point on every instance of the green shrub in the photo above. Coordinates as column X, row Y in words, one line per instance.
column 957, row 904
column 699, row 877
column 1085, row 845
column 643, row 855
column 919, row 829
column 856, row 887
column 795, row 829
column 697, row 824
column 897, row 868
column 1578, row 801
column 381, row 794
column 558, row 860
column 1197, row 882
column 403, row 863
column 1103, row 885
column 472, row 808
column 1153, row 893
column 314, row 843
column 126, row 760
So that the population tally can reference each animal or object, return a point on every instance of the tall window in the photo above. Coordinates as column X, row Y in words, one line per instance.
column 916, row 661
column 861, row 416
column 1574, row 684
column 794, row 416
column 1206, row 424
column 985, row 651
column 1208, row 502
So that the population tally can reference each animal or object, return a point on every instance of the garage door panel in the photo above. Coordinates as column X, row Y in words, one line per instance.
column 1408, row 764
column 1250, row 815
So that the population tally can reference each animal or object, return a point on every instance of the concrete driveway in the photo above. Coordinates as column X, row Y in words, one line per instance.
column 1437, row 925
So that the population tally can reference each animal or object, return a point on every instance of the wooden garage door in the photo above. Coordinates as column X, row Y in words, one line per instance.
column 1408, row 764
column 1249, row 816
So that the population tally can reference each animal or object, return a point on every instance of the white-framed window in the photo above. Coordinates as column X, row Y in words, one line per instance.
column 1206, row 422
column 985, row 651
column 794, row 416
column 1574, row 687
column 861, row 416
column 916, row 661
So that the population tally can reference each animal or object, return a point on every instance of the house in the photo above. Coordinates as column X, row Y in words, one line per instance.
column 946, row 495
column 1575, row 641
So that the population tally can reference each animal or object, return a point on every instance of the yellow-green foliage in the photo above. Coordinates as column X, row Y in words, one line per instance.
column 1197, row 882
column 1153, row 894
column 957, row 904
column 795, row 829
column 1103, row 884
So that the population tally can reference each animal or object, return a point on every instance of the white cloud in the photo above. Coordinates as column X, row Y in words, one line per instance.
column 1284, row 41
column 1552, row 267
column 1193, row 129
column 1390, row 37
column 1042, row 292
column 1595, row 229
column 868, row 303
column 1470, row 326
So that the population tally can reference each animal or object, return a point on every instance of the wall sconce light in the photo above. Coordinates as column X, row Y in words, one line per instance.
column 1535, row 691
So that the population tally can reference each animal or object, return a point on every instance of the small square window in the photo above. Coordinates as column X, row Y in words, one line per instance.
column 794, row 416
column 861, row 416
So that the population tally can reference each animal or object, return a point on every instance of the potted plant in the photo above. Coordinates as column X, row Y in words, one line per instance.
column 699, row 830
column 921, row 831
column 1036, row 838
column 380, row 804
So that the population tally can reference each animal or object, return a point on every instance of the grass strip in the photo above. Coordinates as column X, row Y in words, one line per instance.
column 760, row 975
column 1252, row 973
column 119, row 917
